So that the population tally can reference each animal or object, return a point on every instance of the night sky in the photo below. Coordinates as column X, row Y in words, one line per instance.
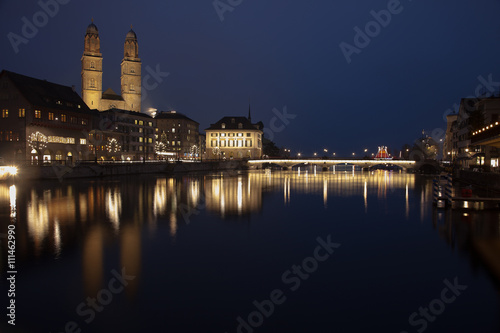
column 280, row 54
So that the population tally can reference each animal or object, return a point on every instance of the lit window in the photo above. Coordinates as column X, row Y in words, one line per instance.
column 83, row 141
column 63, row 118
column 240, row 134
column 150, row 123
column 223, row 134
column 51, row 115
column 141, row 122
column 140, row 130
column 223, row 125
column 38, row 114
column 22, row 113
column 140, row 139
column 150, row 140
column 5, row 113
column 173, row 129
column 84, row 122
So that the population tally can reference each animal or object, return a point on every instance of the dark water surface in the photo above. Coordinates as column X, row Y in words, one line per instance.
column 248, row 252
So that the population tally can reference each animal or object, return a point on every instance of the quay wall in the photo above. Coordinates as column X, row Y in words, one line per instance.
column 488, row 180
column 85, row 170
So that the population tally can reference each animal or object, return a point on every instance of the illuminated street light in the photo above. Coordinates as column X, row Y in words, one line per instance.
column 315, row 154
column 353, row 154
column 366, row 150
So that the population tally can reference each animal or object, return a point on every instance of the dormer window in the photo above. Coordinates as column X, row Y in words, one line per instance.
column 223, row 125
column 240, row 125
column 233, row 120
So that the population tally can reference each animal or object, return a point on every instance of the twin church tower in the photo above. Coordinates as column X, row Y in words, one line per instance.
column 92, row 94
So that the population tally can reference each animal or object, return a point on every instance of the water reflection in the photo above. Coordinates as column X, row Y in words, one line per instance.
column 475, row 233
column 55, row 215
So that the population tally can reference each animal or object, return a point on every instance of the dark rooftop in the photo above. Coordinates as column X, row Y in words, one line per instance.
column 233, row 123
column 172, row 115
column 42, row 93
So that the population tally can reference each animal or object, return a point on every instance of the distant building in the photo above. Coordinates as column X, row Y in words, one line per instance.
column 42, row 121
column 124, row 136
column 449, row 144
column 177, row 136
column 474, row 114
column 92, row 94
column 234, row 137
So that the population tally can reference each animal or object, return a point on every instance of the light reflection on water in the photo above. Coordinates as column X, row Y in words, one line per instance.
column 55, row 212
column 105, row 221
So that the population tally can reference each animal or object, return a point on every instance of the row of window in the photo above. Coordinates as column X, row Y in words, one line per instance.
column 232, row 143
column 9, row 136
column 232, row 134
column 51, row 116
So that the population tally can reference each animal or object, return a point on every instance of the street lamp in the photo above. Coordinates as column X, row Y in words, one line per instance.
column 353, row 154
column 366, row 150
column 315, row 154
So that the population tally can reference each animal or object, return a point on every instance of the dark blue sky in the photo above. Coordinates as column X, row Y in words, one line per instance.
column 280, row 53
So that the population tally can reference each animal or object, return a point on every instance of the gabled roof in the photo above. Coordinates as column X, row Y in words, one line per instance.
column 233, row 123
column 172, row 115
column 42, row 93
column 110, row 94
column 132, row 113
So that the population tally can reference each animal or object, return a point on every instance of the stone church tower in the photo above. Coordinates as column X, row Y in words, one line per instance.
column 92, row 93
column 92, row 68
column 131, row 73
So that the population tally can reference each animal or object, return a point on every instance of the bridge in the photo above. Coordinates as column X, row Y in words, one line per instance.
column 327, row 163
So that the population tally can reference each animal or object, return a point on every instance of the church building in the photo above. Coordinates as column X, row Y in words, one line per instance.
column 92, row 93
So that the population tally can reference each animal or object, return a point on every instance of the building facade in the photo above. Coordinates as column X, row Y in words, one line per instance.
column 474, row 115
column 124, row 135
column 177, row 136
column 42, row 122
column 234, row 137
column 92, row 93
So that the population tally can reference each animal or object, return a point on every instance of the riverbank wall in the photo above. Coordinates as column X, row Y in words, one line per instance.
column 484, row 180
column 87, row 170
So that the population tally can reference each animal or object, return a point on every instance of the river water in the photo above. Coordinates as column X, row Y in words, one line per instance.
column 260, row 251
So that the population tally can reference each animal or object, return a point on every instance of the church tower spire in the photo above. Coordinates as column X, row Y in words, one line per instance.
column 92, row 68
column 249, row 115
column 131, row 73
